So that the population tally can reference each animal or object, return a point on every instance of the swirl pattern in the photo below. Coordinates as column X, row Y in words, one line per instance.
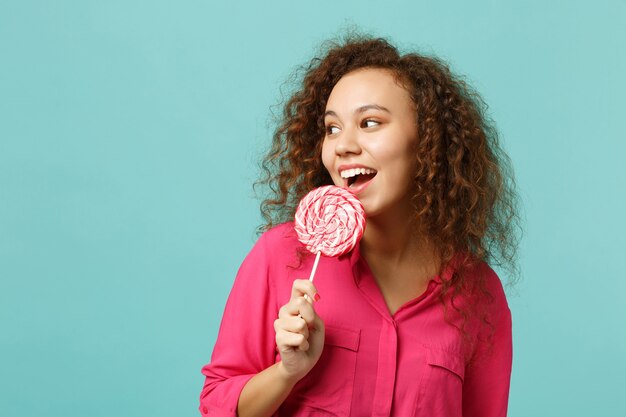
column 330, row 220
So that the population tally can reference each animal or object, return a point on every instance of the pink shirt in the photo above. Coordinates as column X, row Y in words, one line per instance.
column 373, row 363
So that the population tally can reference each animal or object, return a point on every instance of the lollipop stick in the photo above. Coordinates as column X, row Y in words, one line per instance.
column 317, row 259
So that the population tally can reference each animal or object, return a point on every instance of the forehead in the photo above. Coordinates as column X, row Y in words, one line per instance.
column 369, row 86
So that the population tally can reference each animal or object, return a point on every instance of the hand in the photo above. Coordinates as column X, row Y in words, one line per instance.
column 299, row 332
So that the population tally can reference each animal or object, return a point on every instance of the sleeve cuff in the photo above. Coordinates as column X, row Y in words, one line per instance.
column 223, row 400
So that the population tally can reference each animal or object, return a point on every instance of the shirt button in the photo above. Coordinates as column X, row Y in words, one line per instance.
column 204, row 409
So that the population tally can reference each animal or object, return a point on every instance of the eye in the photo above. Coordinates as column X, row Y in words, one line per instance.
column 369, row 123
column 331, row 129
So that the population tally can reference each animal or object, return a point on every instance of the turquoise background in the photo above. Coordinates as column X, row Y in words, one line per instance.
column 129, row 135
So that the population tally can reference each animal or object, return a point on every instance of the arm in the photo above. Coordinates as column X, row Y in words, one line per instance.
column 242, row 378
column 265, row 392
column 487, row 379
column 299, row 340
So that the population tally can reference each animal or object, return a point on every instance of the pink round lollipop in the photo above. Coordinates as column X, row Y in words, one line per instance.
column 330, row 220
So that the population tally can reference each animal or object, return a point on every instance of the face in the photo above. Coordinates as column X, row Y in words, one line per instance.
column 369, row 146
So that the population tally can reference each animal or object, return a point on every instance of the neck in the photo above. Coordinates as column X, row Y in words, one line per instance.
column 396, row 242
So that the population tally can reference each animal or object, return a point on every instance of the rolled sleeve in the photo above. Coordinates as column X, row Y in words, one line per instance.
column 245, row 343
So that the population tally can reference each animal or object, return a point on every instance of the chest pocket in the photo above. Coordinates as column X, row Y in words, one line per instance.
column 327, row 389
column 442, row 392
column 451, row 362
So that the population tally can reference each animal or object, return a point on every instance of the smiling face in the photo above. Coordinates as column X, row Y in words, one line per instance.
column 369, row 146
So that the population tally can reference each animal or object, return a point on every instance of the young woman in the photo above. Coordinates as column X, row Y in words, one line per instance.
column 413, row 321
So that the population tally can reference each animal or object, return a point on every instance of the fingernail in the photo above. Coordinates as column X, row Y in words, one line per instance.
column 316, row 297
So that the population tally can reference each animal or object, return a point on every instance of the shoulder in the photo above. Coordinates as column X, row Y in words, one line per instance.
column 274, row 249
column 491, row 300
column 280, row 235
column 278, row 245
column 491, row 280
column 478, row 274
column 484, row 288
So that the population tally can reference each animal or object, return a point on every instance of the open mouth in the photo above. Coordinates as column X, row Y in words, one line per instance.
column 356, row 177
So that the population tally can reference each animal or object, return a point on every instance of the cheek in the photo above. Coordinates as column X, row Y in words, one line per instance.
column 327, row 156
column 399, row 161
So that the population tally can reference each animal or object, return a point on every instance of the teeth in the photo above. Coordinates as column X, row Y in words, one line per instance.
column 349, row 173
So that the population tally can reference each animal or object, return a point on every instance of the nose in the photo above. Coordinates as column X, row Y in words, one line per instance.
column 347, row 143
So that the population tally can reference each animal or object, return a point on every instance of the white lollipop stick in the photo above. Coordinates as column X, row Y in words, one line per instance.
column 317, row 259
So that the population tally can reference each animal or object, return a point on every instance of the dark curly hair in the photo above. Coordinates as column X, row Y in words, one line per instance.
column 464, row 188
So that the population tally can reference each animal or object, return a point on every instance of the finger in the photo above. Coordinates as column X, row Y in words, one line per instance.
column 293, row 324
column 304, row 346
column 285, row 340
column 302, row 287
column 318, row 324
column 298, row 307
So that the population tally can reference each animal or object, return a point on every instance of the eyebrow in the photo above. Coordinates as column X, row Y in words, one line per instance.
column 360, row 109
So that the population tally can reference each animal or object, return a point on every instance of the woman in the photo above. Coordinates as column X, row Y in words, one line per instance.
column 413, row 321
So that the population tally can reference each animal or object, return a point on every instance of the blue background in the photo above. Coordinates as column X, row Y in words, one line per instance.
column 129, row 135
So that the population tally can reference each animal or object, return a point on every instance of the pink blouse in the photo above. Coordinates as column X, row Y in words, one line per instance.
column 374, row 363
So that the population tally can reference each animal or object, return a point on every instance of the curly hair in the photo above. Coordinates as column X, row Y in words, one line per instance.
column 464, row 188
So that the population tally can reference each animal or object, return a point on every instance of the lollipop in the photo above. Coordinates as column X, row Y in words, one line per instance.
column 329, row 220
